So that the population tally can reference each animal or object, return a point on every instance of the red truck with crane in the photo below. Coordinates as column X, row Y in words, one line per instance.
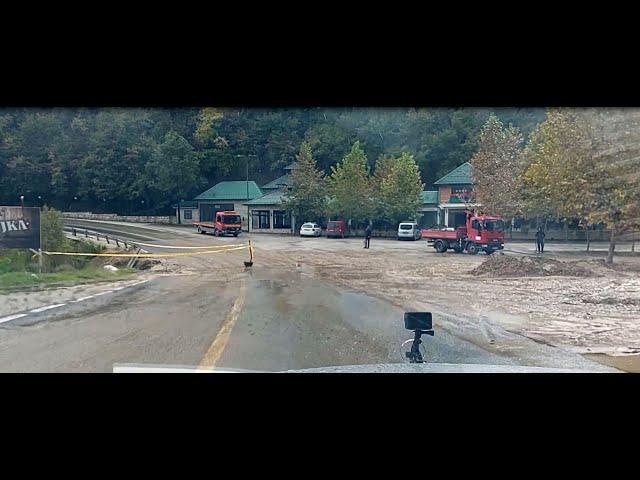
column 225, row 223
column 480, row 232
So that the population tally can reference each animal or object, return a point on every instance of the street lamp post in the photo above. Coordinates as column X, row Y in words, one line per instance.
column 247, row 181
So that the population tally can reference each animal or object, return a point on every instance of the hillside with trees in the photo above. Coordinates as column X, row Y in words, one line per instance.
column 140, row 161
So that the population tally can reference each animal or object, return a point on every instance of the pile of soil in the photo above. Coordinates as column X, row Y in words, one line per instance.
column 515, row 266
column 146, row 263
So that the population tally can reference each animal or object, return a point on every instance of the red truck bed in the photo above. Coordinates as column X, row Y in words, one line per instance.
column 437, row 233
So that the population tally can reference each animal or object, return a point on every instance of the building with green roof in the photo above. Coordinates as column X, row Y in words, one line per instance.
column 225, row 196
column 266, row 213
column 455, row 195
column 429, row 209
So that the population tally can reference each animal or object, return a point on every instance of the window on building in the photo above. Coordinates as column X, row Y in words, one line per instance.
column 281, row 219
column 188, row 214
column 260, row 219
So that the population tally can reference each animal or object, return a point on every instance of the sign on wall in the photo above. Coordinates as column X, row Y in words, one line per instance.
column 19, row 227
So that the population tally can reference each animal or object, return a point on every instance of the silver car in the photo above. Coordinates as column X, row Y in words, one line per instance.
column 310, row 230
column 409, row 230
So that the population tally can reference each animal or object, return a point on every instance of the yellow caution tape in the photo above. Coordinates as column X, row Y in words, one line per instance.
column 185, row 247
column 144, row 255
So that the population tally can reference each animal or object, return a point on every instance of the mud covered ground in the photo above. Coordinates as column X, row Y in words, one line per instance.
column 569, row 299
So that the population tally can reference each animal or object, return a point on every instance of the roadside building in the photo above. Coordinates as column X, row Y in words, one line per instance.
column 455, row 195
column 187, row 212
column 266, row 213
column 283, row 182
column 228, row 195
column 429, row 209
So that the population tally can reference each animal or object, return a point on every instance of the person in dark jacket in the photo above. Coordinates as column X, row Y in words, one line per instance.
column 367, row 236
column 540, row 240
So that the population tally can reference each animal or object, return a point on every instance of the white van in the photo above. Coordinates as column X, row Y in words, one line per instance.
column 409, row 230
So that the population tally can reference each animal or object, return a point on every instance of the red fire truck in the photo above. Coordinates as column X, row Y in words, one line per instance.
column 481, row 232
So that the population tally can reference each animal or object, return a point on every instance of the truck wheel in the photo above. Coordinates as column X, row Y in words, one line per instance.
column 235, row 234
column 440, row 246
column 201, row 231
column 472, row 248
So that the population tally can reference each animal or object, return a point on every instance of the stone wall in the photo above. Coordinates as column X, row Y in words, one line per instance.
column 121, row 218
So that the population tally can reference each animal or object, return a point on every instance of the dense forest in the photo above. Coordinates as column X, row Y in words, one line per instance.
column 143, row 160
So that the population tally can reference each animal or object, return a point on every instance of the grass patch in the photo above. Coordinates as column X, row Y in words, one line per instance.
column 65, row 276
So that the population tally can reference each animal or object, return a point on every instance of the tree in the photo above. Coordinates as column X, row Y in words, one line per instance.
column 583, row 164
column 398, row 188
column 612, row 184
column 96, row 158
column 497, row 169
column 307, row 197
column 173, row 169
column 350, row 187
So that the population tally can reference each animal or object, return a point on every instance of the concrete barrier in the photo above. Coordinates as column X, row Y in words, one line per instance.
column 121, row 218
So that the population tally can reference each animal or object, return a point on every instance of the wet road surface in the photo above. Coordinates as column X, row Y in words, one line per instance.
column 259, row 319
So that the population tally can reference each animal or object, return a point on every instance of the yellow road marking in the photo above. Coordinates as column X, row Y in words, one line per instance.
column 220, row 342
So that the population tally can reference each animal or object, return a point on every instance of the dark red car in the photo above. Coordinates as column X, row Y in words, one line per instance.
column 337, row 228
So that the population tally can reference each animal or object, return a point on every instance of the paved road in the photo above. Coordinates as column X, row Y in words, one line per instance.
column 226, row 316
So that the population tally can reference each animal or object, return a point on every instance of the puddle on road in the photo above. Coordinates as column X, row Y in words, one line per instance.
column 276, row 287
column 626, row 363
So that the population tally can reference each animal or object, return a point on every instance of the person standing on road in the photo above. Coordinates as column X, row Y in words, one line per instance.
column 540, row 240
column 367, row 236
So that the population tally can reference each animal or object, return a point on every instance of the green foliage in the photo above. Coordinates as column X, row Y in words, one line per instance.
column 398, row 188
column 307, row 197
column 350, row 187
column 172, row 170
column 64, row 276
column 51, row 230
column 107, row 159
column 15, row 260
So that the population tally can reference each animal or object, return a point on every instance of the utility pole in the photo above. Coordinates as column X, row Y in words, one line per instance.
column 247, row 181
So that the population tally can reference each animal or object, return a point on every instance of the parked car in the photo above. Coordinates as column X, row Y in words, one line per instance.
column 409, row 230
column 310, row 230
column 337, row 228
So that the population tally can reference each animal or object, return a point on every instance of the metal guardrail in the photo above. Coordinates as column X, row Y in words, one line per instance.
column 87, row 233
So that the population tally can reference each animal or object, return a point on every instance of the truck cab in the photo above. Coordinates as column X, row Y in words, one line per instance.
column 225, row 223
column 485, row 232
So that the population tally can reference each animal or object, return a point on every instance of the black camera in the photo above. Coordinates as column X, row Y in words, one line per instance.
column 418, row 321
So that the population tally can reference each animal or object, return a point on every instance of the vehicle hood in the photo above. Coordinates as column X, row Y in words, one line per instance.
column 374, row 368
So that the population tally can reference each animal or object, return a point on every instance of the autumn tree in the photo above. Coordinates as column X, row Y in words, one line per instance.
column 497, row 169
column 612, row 189
column 582, row 164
